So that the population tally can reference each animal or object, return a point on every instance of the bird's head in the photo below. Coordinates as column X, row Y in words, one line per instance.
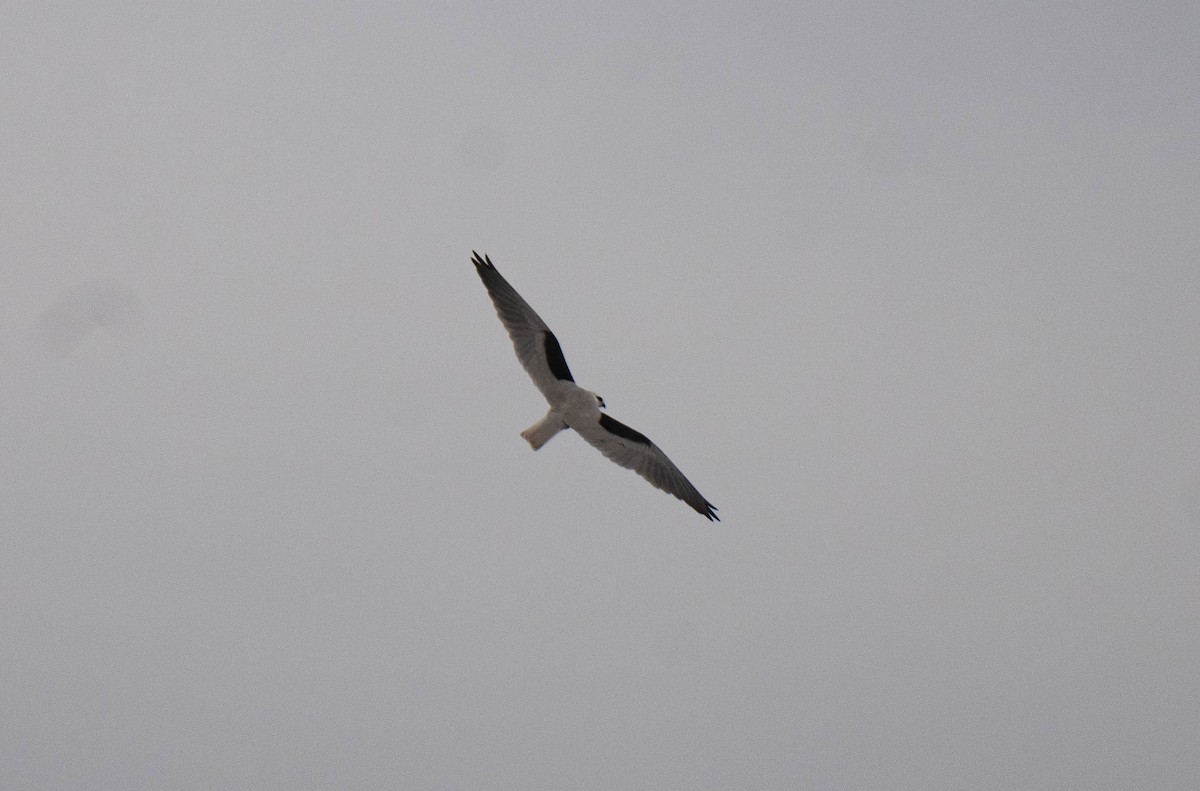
column 599, row 400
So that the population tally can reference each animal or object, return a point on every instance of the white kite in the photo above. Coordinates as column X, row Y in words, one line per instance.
column 573, row 407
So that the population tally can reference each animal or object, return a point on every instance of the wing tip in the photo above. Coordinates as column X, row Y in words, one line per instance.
column 482, row 263
column 710, row 511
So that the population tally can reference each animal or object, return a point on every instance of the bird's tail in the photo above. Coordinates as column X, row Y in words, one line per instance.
column 540, row 432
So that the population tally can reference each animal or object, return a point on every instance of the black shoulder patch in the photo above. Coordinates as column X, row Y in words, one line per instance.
column 555, row 359
column 621, row 430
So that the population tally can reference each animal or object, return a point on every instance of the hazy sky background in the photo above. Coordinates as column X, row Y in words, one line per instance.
column 911, row 292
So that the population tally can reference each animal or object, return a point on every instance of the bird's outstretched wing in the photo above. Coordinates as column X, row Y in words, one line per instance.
column 535, row 344
column 634, row 450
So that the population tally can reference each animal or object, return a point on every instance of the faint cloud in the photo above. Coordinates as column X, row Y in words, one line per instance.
column 483, row 148
column 79, row 311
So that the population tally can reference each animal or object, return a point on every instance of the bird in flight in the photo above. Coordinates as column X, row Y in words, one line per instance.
column 573, row 407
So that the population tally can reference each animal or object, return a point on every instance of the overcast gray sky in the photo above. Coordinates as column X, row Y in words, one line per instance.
column 909, row 291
